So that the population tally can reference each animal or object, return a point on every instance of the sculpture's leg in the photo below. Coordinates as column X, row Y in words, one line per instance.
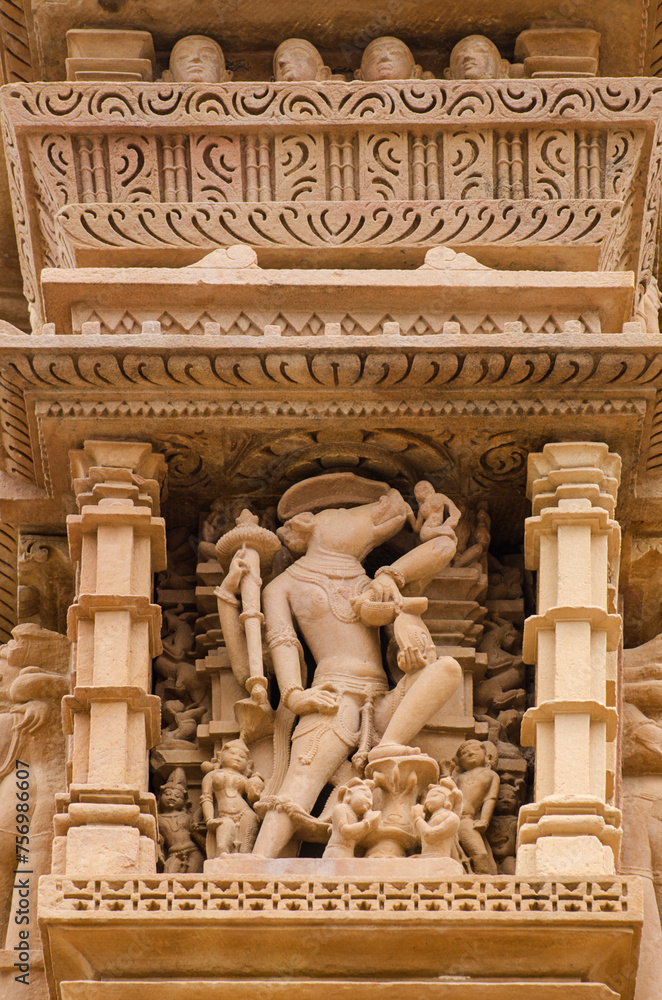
column 248, row 827
column 226, row 835
column 304, row 782
column 431, row 689
column 172, row 865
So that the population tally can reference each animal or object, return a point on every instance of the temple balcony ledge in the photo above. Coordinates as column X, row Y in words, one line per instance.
column 403, row 929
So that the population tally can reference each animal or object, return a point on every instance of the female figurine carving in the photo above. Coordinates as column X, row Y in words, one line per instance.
column 229, row 789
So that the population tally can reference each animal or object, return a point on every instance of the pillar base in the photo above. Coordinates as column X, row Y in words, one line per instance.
column 88, row 850
column 105, row 830
column 565, row 836
column 565, row 857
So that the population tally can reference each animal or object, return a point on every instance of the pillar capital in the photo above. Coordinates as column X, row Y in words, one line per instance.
column 118, row 470
column 568, row 470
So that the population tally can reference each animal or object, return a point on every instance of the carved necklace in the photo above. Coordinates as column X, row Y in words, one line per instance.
column 350, row 576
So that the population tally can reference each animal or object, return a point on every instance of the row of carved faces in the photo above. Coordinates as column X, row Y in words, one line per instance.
column 199, row 59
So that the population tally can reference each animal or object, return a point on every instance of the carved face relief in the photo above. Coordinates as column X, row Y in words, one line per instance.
column 234, row 758
column 295, row 59
column 360, row 799
column 471, row 754
column 436, row 798
column 172, row 798
column 197, row 59
column 388, row 58
column 476, row 58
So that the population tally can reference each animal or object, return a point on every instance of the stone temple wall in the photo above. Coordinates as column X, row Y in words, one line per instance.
column 330, row 503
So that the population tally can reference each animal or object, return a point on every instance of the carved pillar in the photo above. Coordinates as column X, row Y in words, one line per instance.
column 106, row 824
column 573, row 542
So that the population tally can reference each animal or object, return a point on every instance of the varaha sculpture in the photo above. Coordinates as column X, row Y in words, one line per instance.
column 337, row 420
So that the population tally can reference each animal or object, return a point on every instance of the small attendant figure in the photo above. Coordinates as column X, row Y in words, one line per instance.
column 178, row 850
column 229, row 789
column 437, row 514
column 442, row 806
column 479, row 785
column 352, row 819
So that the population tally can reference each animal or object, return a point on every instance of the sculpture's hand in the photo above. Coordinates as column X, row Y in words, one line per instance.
column 480, row 826
column 323, row 698
column 372, row 819
column 383, row 588
column 35, row 714
column 236, row 573
column 410, row 659
column 418, row 812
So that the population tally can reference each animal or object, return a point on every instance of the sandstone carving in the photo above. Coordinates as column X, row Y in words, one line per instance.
column 229, row 789
column 642, row 794
column 336, row 372
column 502, row 831
column 479, row 784
column 476, row 58
column 295, row 59
column 245, row 552
column 352, row 819
column 197, row 59
column 338, row 608
column 388, row 58
column 550, row 50
column 438, row 818
column 180, row 851
column 110, row 54
column 184, row 694
column 34, row 668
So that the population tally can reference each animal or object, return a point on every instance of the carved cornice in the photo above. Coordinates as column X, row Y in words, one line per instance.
column 164, row 106
column 107, row 174
column 203, row 402
column 255, row 365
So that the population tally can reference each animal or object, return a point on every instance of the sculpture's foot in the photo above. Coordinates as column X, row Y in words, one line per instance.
column 392, row 750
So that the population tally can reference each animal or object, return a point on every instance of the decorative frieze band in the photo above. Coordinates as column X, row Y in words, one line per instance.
column 120, row 170
column 334, row 898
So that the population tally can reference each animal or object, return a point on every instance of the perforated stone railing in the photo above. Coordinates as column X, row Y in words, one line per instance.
column 331, row 896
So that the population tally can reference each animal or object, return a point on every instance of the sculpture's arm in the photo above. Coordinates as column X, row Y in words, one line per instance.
column 454, row 513
column 286, row 654
column 421, row 563
column 207, row 797
column 352, row 831
column 446, row 826
column 254, row 787
column 489, row 802
column 228, row 612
